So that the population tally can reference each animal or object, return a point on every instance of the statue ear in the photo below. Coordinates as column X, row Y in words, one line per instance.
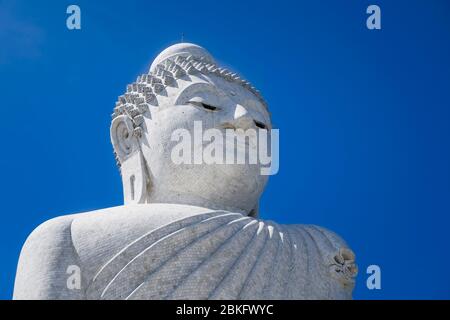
column 132, row 165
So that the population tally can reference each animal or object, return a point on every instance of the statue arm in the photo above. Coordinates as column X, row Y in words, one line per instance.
column 45, row 260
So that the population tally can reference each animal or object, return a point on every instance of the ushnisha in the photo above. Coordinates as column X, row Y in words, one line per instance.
column 186, row 231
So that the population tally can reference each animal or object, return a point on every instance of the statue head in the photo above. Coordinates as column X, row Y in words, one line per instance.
column 184, row 88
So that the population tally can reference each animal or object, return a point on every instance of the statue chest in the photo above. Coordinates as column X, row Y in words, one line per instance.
column 222, row 255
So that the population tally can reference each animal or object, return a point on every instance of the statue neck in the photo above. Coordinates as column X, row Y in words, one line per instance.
column 192, row 200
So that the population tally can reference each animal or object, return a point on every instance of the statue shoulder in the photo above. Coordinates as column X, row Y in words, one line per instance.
column 65, row 242
column 44, row 259
column 324, row 245
column 325, row 238
column 100, row 235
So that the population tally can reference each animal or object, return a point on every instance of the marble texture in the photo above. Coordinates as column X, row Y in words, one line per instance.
column 166, row 251
column 185, row 231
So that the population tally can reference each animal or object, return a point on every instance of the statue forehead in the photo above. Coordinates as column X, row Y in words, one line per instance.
column 178, row 67
column 197, row 61
column 217, row 87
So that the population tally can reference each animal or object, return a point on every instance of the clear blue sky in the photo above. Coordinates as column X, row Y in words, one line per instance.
column 363, row 117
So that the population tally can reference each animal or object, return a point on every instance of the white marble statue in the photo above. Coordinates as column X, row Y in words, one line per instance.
column 186, row 231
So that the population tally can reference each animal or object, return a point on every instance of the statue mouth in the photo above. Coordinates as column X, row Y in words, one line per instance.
column 229, row 142
column 228, row 125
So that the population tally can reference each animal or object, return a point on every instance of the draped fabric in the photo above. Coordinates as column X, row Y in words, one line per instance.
column 223, row 255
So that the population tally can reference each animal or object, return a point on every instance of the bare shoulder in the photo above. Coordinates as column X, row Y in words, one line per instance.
column 85, row 241
column 44, row 258
column 99, row 235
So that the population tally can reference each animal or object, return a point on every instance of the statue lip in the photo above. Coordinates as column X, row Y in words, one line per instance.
column 228, row 125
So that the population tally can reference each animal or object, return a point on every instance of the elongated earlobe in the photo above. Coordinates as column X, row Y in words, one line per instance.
column 132, row 163
column 134, row 179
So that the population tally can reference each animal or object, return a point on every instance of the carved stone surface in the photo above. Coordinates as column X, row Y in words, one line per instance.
column 185, row 231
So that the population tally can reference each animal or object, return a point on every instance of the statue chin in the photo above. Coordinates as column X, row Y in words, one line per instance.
column 185, row 231
column 234, row 188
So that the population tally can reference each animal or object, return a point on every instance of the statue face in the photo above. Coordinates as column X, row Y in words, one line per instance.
column 212, row 102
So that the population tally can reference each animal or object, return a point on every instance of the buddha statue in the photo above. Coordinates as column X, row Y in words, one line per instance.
column 186, row 230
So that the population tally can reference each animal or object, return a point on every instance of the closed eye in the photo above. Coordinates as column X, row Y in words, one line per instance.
column 203, row 105
column 209, row 107
column 260, row 124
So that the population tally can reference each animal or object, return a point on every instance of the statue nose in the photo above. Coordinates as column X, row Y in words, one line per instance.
column 239, row 112
column 242, row 118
